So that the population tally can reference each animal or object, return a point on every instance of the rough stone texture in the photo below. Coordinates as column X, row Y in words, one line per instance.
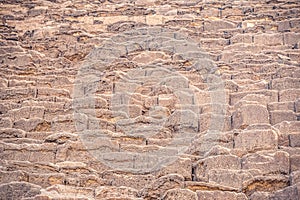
column 243, row 132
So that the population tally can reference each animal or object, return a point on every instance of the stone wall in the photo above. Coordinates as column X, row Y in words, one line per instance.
column 207, row 90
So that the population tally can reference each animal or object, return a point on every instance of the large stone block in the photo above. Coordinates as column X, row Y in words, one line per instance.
column 229, row 178
column 269, row 39
column 289, row 95
column 10, row 176
column 278, row 116
column 111, row 192
column 241, row 38
column 295, row 162
column 291, row 38
column 272, row 95
column 212, row 121
column 137, row 181
column 287, row 106
column 253, row 140
column 178, row 194
column 288, row 193
column 267, row 162
column 218, row 24
column 285, row 83
column 32, row 124
column 216, row 162
column 220, row 195
column 18, row 190
column 294, row 140
column 46, row 180
column 250, row 114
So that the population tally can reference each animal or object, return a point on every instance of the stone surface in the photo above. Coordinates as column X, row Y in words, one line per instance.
column 218, row 80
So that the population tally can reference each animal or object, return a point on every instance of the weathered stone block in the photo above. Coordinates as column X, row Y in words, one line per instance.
column 111, row 192
column 250, row 114
column 294, row 140
column 10, row 176
column 278, row 116
column 218, row 24
column 212, row 121
column 259, row 196
column 291, row 38
column 178, row 194
column 220, row 195
column 46, row 180
column 295, row 162
column 281, row 106
column 216, row 162
column 267, row 162
column 137, row 182
column 182, row 166
column 241, row 38
column 253, row 140
column 6, row 122
column 284, row 25
column 288, row 193
column 289, row 95
column 272, row 96
column 229, row 178
column 285, row 83
column 18, row 190
column 269, row 39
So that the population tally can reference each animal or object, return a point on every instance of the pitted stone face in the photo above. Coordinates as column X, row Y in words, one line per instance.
column 150, row 112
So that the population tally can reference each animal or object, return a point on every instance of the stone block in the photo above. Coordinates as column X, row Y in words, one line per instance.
column 137, row 181
column 220, row 195
column 7, row 94
column 295, row 177
column 216, row 25
column 32, row 124
column 46, row 180
column 249, row 114
column 278, row 116
column 253, row 140
column 229, row 178
column 287, row 106
column 216, row 162
column 294, row 140
column 241, row 38
column 11, row 133
column 295, row 162
column 10, row 176
column 178, row 194
column 288, row 193
column 111, row 192
column 182, row 166
column 285, row 83
column 6, row 122
column 212, row 121
column 259, row 196
column 268, row 39
column 289, row 95
column 284, row 26
column 291, row 38
column 267, row 162
column 271, row 95
column 41, row 92
column 18, row 190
